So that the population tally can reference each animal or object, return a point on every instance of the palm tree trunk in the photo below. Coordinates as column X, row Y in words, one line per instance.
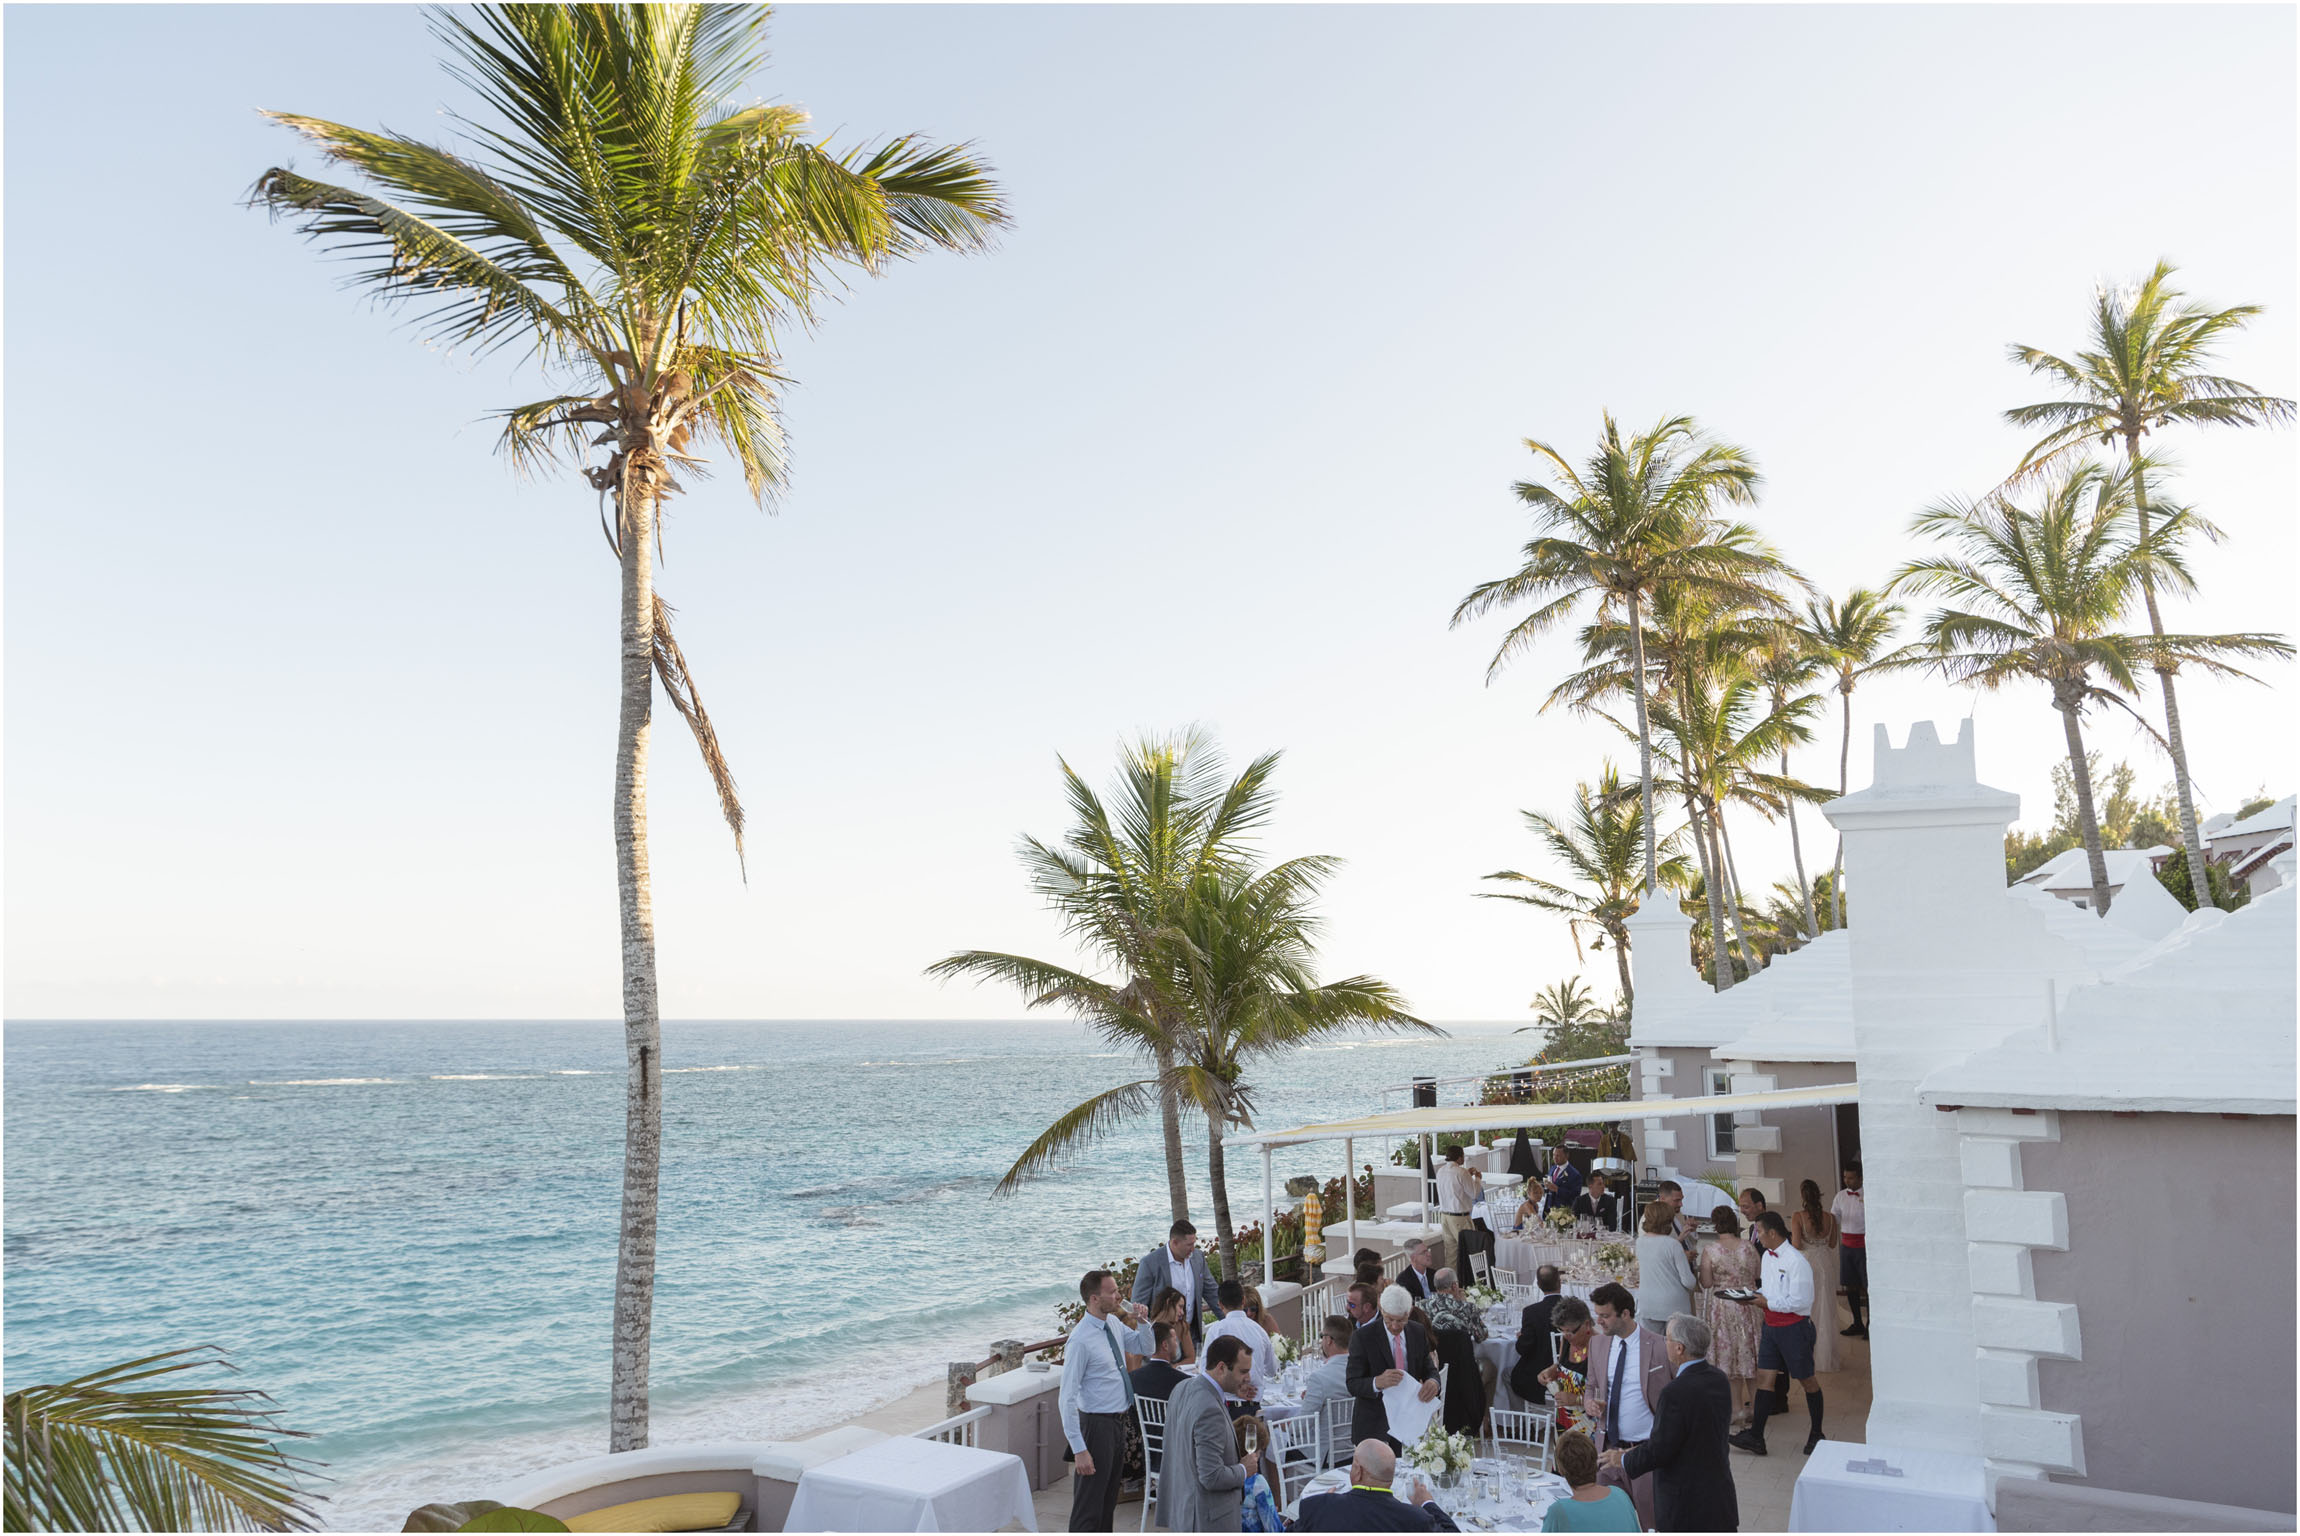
column 1644, row 739
column 1739, row 899
column 1844, row 784
column 642, row 1024
column 1620, row 937
column 1720, row 960
column 1797, row 856
column 2191, row 836
column 2081, row 775
column 1225, row 1235
column 1170, row 1130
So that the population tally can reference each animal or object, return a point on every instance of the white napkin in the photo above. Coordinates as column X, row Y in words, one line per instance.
column 1409, row 1415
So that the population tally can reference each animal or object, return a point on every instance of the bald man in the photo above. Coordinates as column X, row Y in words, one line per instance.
column 1370, row 1504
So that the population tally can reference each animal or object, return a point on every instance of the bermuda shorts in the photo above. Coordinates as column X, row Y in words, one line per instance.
column 1788, row 1349
column 1853, row 1268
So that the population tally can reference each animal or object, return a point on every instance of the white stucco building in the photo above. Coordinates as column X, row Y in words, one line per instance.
column 2078, row 1143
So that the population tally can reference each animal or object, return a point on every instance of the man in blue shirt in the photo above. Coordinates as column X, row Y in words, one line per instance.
column 1097, row 1396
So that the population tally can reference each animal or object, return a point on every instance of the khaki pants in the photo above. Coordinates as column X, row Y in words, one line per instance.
column 1455, row 1226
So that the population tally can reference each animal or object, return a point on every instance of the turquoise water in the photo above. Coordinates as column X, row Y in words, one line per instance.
column 406, row 1232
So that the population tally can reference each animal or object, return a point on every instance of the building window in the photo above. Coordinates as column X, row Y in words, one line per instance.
column 1720, row 1126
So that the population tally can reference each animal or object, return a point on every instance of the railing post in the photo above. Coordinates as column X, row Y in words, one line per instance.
column 1269, row 1222
column 1350, row 1190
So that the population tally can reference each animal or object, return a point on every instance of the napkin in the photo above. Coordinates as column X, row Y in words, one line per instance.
column 1409, row 1415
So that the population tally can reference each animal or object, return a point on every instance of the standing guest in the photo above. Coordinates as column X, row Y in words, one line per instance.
column 1692, row 1475
column 1368, row 1504
column 1368, row 1272
column 1458, row 1326
column 1563, row 1182
column 1238, row 1323
column 1257, row 1510
column 1533, row 1343
column 1367, row 1256
column 1170, row 1308
column 1329, row 1379
column 1730, row 1264
column 1096, row 1397
column 1628, row 1367
column 1601, row 1203
column 1568, row 1375
column 1786, row 1347
column 1450, row 1308
column 1852, row 1215
column 1360, row 1302
column 1672, row 1194
column 1382, row 1357
column 1177, row 1262
column 1594, row 1506
column 1459, row 1187
column 1752, row 1206
column 1665, row 1278
column 1813, row 1233
column 1415, row 1277
column 1200, row 1485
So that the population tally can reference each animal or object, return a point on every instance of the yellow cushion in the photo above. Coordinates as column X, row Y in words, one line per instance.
column 679, row 1512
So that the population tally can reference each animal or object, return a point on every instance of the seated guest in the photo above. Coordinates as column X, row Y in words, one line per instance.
column 1168, row 1308
column 1329, row 1379
column 1593, row 1507
column 1360, row 1302
column 1257, row 1510
column 1415, row 1277
column 1528, row 1209
column 1236, row 1324
column 1600, row 1203
column 1368, row 1272
column 1156, row 1379
column 1384, row 1355
column 1533, row 1343
column 1368, row 1504
column 1366, row 1256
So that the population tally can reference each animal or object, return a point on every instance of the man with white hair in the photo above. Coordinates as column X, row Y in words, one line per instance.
column 1383, row 1356
column 1368, row 1504
column 1692, row 1474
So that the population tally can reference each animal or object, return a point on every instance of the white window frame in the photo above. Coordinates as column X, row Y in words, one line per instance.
column 1721, row 1149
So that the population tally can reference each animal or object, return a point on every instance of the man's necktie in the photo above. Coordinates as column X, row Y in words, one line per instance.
column 1613, row 1394
column 1398, row 1349
column 1110, row 1337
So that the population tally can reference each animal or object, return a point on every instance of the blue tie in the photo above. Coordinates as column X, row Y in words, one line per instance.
column 1110, row 1337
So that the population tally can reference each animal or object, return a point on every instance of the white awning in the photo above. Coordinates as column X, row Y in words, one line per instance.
column 1508, row 1117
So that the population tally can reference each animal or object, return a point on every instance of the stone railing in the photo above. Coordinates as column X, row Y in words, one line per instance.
column 1005, row 1355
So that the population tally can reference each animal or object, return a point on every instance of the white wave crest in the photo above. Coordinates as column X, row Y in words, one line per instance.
column 163, row 1087
column 318, row 1082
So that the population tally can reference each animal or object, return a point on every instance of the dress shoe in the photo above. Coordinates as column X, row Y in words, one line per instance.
column 1747, row 1440
column 1854, row 1332
column 1812, row 1440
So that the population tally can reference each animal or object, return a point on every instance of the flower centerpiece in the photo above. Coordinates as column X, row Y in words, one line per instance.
column 1615, row 1255
column 1483, row 1296
column 1443, row 1456
column 1287, row 1347
column 1561, row 1219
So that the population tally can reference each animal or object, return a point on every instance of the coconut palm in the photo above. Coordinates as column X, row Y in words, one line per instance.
column 1853, row 639
column 1787, row 668
column 2144, row 369
column 111, row 1451
column 1638, row 517
column 1601, row 844
column 2043, row 594
column 1119, row 878
column 641, row 240
column 1568, row 1005
column 1243, row 955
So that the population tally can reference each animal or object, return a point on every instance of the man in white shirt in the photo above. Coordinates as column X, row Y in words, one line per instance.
column 1459, row 1187
column 1852, row 1215
column 1096, row 1396
column 1235, row 1324
column 1628, row 1367
column 1786, row 1346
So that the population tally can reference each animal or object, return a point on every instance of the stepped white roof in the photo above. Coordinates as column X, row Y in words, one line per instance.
column 1804, row 1006
column 2069, row 872
column 2201, row 1022
column 2277, row 818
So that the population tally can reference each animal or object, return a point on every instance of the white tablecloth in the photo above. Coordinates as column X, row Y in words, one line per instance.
column 1548, row 1487
column 1871, row 1488
column 907, row 1484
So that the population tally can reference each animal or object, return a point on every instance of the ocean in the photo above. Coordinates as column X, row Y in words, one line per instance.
column 405, row 1232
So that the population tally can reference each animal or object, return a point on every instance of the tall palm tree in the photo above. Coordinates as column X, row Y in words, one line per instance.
column 1119, row 879
column 1853, row 639
column 2044, row 593
column 1602, row 845
column 1788, row 668
column 2144, row 369
column 642, row 241
column 1243, row 957
column 113, row 1451
column 1565, row 1004
column 1639, row 516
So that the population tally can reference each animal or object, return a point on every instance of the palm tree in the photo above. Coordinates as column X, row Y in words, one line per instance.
column 2145, row 369
column 2043, row 593
column 1851, row 638
column 1566, row 1004
column 643, row 241
column 1788, row 667
column 1243, row 954
column 1119, row 878
column 106, row 1452
column 1639, row 517
column 1602, row 846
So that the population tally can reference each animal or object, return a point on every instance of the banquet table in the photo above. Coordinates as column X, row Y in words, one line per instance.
column 908, row 1484
column 1846, row 1487
column 1484, row 1515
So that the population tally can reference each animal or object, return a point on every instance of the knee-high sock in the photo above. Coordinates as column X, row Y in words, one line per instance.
column 1813, row 1406
column 1759, row 1413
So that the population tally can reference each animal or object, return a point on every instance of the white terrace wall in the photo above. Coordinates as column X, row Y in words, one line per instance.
column 1944, row 962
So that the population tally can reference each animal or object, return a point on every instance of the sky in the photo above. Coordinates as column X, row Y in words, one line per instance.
column 310, row 701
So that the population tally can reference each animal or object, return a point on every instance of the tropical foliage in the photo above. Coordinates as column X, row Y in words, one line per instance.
column 619, row 218
column 131, row 1448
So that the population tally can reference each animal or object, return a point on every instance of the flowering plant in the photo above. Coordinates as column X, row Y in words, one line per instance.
column 1561, row 1219
column 1287, row 1347
column 1485, row 1296
column 1614, row 1255
column 1441, row 1454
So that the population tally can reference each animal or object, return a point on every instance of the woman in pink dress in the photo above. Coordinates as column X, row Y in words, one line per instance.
column 1731, row 1262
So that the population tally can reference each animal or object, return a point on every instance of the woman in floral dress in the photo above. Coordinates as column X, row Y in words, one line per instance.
column 1731, row 1262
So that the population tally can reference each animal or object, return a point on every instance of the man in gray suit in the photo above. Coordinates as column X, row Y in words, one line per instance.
column 1177, row 1262
column 1200, row 1477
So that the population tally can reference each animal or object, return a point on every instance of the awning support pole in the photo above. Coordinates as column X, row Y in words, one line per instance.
column 1428, row 1173
column 1269, row 1224
column 1350, row 1190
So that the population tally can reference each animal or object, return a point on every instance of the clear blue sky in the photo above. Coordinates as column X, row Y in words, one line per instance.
column 310, row 705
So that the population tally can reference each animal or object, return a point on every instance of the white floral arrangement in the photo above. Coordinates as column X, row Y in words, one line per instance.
column 1441, row 1454
column 1288, row 1348
column 1614, row 1255
column 1561, row 1219
column 1484, row 1296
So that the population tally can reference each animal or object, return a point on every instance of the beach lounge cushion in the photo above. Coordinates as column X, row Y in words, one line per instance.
column 678, row 1512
